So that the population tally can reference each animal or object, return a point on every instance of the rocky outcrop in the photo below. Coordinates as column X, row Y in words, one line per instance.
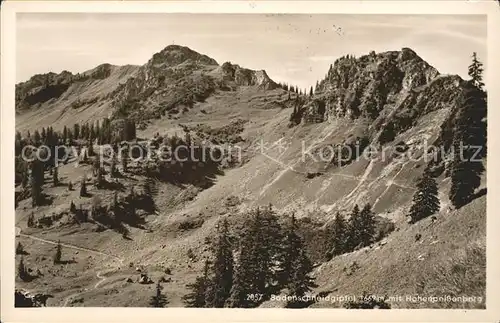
column 246, row 77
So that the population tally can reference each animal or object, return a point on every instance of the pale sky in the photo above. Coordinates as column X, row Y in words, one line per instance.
column 297, row 49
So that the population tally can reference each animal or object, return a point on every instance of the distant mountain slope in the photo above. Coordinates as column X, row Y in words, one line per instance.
column 172, row 81
column 393, row 104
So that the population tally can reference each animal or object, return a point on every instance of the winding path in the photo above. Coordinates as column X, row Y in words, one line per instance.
column 98, row 274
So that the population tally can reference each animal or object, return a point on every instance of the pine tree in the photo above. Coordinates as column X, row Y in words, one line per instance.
column 223, row 266
column 65, row 134
column 291, row 247
column 20, row 249
column 339, row 235
column 124, row 161
column 76, row 131
column 58, row 254
column 72, row 207
column 297, row 267
column 22, row 272
column 37, row 179
column 476, row 71
column 367, row 226
column 31, row 220
column 55, row 177
column 99, row 181
column 83, row 188
column 469, row 146
column 311, row 91
column 196, row 298
column 353, row 239
column 159, row 299
column 425, row 200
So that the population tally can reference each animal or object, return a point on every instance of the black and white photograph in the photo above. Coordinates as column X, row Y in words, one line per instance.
column 249, row 160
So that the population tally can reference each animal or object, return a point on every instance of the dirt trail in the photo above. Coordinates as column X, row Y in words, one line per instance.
column 101, row 278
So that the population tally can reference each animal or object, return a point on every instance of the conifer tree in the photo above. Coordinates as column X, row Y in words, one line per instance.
column 311, row 91
column 339, row 235
column 58, row 254
column 469, row 146
column 72, row 207
column 367, row 226
column 31, row 220
column 425, row 200
column 22, row 272
column 20, row 249
column 159, row 299
column 37, row 179
column 296, row 267
column 70, row 186
column 99, row 181
column 353, row 239
column 291, row 247
column 55, row 176
column 196, row 298
column 124, row 162
column 83, row 188
column 243, row 281
column 475, row 71
column 223, row 267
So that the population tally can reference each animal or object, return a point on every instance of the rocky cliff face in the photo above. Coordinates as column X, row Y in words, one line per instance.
column 391, row 89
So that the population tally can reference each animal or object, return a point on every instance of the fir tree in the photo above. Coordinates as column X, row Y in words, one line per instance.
column 196, row 298
column 159, row 299
column 31, row 220
column 367, row 226
column 353, row 239
column 425, row 200
column 291, row 246
column 223, row 266
column 72, row 207
column 124, row 162
column 37, row 179
column 65, row 134
column 99, row 181
column 55, row 177
column 468, row 146
column 20, row 249
column 83, row 188
column 339, row 235
column 58, row 254
column 22, row 272
column 297, row 267
column 475, row 71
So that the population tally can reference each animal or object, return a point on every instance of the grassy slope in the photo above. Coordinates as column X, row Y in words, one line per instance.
column 392, row 269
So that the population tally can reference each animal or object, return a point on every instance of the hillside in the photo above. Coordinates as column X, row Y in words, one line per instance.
column 394, row 102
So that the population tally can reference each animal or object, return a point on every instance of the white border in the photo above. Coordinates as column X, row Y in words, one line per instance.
column 8, row 51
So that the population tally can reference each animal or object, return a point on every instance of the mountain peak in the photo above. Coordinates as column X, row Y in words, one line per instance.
column 175, row 54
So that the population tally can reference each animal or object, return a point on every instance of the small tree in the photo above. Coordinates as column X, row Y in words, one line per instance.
column 196, row 298
column 476, row 71
column 20, row 249
column 83, row 188
column 367, row 227
column 339, row 235
column 31, row 220
column 72, row 207
column 425, row 200
column 58, row 254
column 159, row 299
column 55, row 176
column 70, row 186
column 22, row 272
